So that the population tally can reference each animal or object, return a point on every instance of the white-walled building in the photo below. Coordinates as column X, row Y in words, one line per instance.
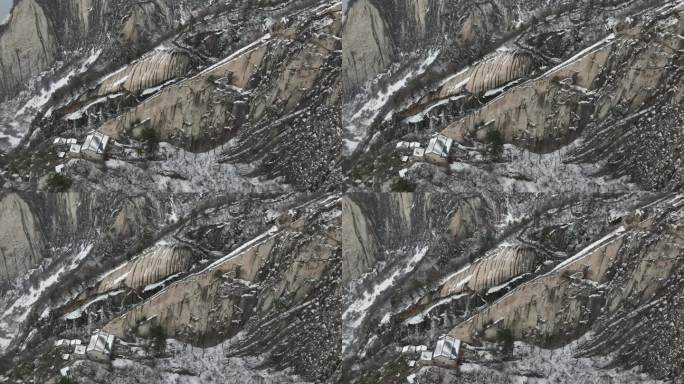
column 100, row 346
column 439, row 148
column 80, row 350
column 95, row 145
column 447, row 351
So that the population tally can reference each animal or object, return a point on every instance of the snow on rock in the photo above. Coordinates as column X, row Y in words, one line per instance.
column 357, row 311
column 39, row 101
column 591, row 247
column 14, row 316
column 419, row 318
column 77, row 313
column 152, row 70
column 180, row 171
column 78, row 114
column 186, row 365
column 560, row 365
column 362, row 119
column 155, row 264
column 500, row 266
column 529, row 172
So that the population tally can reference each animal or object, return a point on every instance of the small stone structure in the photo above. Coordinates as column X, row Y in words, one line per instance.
column 100, row 346
column 438, row 149
column 447, row 352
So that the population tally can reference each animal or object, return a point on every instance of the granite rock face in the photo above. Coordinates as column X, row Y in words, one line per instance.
column 154, row 265
column 21, row 237
column 209, row 219
column 504, row 264
column 27, row 44
column 150, row 71
column 291, row 265
column 256, row 276
column 558, row 203
column 40, row 34
column 557, row 88
column 558, row 276
column 314, row 191
column 364, row 57
column 250, row 91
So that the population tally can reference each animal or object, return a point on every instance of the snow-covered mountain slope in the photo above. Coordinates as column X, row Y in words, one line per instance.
column 254, row 278
column 245, row 98
column 578, row 104
column 44, row 43
column 582, row 277
column 169, row 160
column 316, row 191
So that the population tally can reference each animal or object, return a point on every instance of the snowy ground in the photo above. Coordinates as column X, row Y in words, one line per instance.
column 181, row 171
column 14, row 316
column 532, row 364
column 528, row 172
column 365, row 111
column 356, row 312
column 185, row 365
column 17, row 113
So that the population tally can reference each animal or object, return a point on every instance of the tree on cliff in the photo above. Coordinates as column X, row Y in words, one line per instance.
column 496, row 142
column 150, row 141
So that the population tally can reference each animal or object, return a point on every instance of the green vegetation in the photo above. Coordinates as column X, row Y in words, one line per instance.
column 66, row 380
column 504, row 337
column 150, row 140
column 388, row 162
column 57, row 182
column 388, row 373
column 496, row 142
column 39, row 160
column 158, row 337
column 402, row 185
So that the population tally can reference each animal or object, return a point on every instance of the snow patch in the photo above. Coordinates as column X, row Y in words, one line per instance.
column 356, row 312
column 419, row 318
column 16, row 314
column 77, row 313
column 369, row 111
column 39, row 101
column 158, row 284
column 591, row 247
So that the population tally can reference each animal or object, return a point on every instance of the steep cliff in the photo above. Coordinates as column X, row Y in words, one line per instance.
column 49, row 49
column 535, row 265
column 256, row 277
column 49, row 241
column 293, row 265
column 22, row 239
column 41, row 34
column 612, row 288
column 154, row 265
column 27, row 46
column 251, row 91
column 552, row 104
column 151, row 70
column 364, row 57
column 502, row 266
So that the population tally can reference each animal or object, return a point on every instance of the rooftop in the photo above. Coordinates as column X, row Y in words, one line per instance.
column 439, row 145
column 101, row 342
column 448, row 347
column 426, row 356
column 95, row 142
